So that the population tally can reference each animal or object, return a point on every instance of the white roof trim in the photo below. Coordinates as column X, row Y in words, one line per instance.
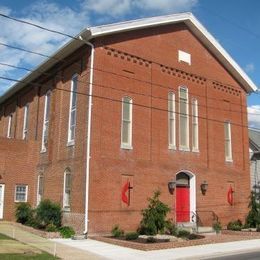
column 93, row 32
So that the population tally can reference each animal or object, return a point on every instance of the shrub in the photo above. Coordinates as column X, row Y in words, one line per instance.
column 48, row 213
column 258, row 228
column 217, row 226
column 171, row 228
column 154, row 216
column 24, row 213
column 235, row 225
column 131, row 236
column 253, row 217
column 117, row 231
column 151, row 240
column 66, row 231
column 183, row 233
column 51, row 228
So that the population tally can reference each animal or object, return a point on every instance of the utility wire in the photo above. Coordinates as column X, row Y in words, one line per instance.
column 132, row 92
column 135, row 104
column 143, row 81
column 37, row 26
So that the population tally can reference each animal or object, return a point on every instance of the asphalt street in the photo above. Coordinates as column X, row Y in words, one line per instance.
column 242, row 256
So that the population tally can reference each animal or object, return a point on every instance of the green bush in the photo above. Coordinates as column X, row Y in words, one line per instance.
column 24, row 213
column 117, row 231
column 48, row 213
column 253, row 217
column 154, row 216
column 51, row 228
column 258, row 228
column 66, row 231
column 183, row 233
column 131, row 236
column 235, row 225
column 217, row 226
column 171, row 228
column 151, row 240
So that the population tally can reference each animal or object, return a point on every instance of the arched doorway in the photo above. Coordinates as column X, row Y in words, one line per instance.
column 185, row 196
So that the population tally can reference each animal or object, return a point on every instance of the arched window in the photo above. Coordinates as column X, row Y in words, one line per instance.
column 195, row 126
column 184, row 118
column 72, row 111
column 67, row 189
column 39, row 189
column 45, row 129
column 171, row 121
column 25, row 121
column 126, row 126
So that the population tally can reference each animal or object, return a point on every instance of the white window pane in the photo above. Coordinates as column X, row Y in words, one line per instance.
column 183, row 131
column 126, row 131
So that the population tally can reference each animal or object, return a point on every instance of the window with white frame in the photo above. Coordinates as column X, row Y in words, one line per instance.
column 21, row 193
column 39, row 189
column 126, row 126
column 67, row 189
column 25, row 121
column 9, row 126
column 228, row 143
column 195, row 125
column 72, row 111
column 45, row 128
column 184, row 118
column 171, row 121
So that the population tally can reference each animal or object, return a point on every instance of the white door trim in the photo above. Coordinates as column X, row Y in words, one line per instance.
column 2, row 201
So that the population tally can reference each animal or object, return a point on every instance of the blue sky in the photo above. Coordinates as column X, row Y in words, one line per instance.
column 234, row 23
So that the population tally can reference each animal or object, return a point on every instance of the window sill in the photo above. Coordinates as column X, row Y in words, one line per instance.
column 71, row 143
column 184, row 149
column 66, row 209
column 229, row 160
column 43, row 150
column 126, row 147
column 19, row 201
column 195, row 150
column 172, row 147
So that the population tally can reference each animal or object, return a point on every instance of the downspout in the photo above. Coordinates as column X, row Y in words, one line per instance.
column 88, row 133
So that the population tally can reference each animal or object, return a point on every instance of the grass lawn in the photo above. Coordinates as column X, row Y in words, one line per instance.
column 11, row 249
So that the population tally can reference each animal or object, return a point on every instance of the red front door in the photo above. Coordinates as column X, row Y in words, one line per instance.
column 182, row 204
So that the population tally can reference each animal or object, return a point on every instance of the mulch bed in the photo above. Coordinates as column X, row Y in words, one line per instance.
column 225, row 236
column 37, row 232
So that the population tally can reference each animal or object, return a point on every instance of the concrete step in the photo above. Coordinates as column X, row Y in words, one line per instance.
column 79, row 237
column 205, row 230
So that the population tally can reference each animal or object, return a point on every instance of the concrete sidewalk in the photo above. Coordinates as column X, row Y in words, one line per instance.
column 194, row 252
column 64, row 251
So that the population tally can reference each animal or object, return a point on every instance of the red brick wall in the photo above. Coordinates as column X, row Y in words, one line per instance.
column 146, row 68
column 134, row 61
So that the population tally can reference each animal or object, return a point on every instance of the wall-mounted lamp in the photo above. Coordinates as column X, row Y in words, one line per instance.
column 204, row 187
column 171, row 186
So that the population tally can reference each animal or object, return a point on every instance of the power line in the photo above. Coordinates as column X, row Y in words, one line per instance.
column 132, row 92
column 37, row 26
column 148, row 82
column 135, row 104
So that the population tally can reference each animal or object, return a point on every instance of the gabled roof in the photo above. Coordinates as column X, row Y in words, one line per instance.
column 93, row 32
column 254, row 139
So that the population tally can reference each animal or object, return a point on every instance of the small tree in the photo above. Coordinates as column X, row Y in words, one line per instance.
column 154, row 216
column 253, row 217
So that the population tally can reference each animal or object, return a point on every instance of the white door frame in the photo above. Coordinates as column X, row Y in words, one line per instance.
column 2, row 201
column 192, row 193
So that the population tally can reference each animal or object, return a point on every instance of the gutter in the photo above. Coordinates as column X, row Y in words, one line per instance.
column 88, row 134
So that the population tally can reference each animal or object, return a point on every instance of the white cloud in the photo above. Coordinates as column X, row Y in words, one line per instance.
column 250, row 67
column 166, row 5
column 254, row 116
column 109, row 7
column 70, row 21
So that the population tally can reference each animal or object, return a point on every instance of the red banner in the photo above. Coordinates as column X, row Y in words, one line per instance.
column 124, row 192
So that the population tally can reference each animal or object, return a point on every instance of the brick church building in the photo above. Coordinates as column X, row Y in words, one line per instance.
column 121, row 111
